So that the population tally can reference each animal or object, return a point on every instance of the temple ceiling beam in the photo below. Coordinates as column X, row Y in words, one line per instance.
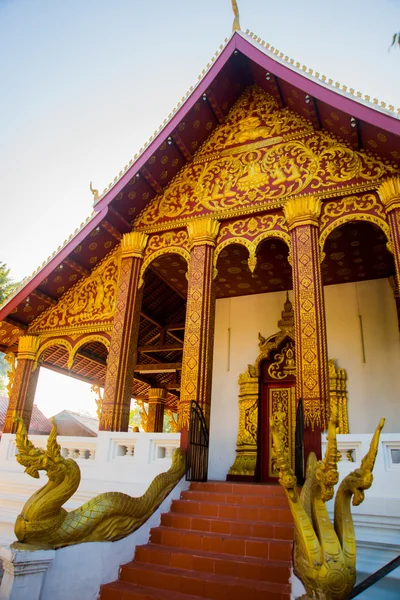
column 151, row 180
column 184, row 150
column 72, row 264
column 160, row 348
column 158, row 368
column 45, row 297
column 219, row 115
column 125, row 224
column 117, row 235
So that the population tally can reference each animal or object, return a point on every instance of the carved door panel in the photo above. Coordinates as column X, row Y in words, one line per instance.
column 278, row 403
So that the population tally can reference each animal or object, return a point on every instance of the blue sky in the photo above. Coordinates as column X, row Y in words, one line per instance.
column 84, row 83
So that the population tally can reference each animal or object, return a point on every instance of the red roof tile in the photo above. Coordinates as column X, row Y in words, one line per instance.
column 40, row 425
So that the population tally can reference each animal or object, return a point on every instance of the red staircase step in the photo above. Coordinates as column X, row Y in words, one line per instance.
column 217, row 563
column 220, row 541
column 226, row 544
column 202, row 584
column 231, row 498
column 279, row 531
column 233, row 511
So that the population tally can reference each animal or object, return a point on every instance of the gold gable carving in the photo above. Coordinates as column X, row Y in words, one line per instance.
column 261, row 155
column 91, row 301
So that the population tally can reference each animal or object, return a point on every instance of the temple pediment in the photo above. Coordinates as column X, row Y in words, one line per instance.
column 260, row 156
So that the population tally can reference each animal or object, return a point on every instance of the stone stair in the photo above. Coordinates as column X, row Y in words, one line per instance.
column 222, row 541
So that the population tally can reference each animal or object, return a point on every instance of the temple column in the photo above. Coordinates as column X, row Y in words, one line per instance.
column 389, row 193
column 124, row 337
column 155, row 416
column 312, row 383
column 199, row 326
column 24, row 385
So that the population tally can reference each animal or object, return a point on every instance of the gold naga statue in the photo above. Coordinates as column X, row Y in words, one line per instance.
column 107, row 517
column 325, row 553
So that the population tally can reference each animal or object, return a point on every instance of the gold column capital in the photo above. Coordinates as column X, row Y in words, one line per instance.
column 389, row 193
column 203, row 231
column 28, row 346
column 304, row 210
column 157, row 395
column 134, row 243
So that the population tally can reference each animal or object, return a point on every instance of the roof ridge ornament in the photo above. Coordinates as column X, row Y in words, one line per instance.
column 236, row 23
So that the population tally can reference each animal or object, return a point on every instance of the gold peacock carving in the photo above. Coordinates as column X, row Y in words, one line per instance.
column 325, row 553
column 107, row 517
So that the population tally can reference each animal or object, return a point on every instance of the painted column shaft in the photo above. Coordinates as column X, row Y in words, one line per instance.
column 312, row 383
column 155, row 416
column 24, row 386
column 200, row 319
column 124, row 338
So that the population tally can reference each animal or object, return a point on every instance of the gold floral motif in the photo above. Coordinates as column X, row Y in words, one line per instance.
column 203, row 231
column 282, row 414
column 99, row 400
column 133, row 243
column 170, row 242
column 302, row 210
column 90, row 300
column 172, row 420
column 230, row 172
column 366, row 208
column 250, row 232
column 143, row 413
column 10, row 359
column 389, row 193
column 338, row 394
column 28, row 346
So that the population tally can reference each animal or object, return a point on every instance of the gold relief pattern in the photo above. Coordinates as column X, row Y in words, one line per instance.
column 91, row 300
column 250, row 232
column 10, row 359
column 282, row 413
column 246, row 445
column 170, row 242
column 389, row 193
column 366, row 207
column 172, row 420
column 233, row 170
column 23, row 392
column 199, row 335
column 99, row 400
column 55, row 342
column 143, row 413
column 311, row 351
column 338, row 395
column 284, row 363
column 125, row 332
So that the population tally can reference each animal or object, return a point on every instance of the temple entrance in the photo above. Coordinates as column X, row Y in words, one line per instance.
column 277, row 403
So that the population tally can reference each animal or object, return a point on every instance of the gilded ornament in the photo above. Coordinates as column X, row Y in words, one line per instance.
column 28, row 346
column 10, row 359
column 143, row 413
column 325, row 553
column 88, row 305
column 389, row 193
column 203, row 231
column 170, row 242
column 172, row 420
column 301, row 211
column 259, row 157
column 134, row 244
column 99, row 400
column 107, row 517
column 236, row 24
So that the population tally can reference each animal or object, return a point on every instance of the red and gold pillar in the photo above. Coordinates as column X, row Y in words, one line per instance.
column 120, row 365
column 155, row 416
column 389, row 193
column 312, row 384
column 24, row 385
column 199, row 325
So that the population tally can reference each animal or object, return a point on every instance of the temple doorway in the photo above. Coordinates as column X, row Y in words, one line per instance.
column 277, row 404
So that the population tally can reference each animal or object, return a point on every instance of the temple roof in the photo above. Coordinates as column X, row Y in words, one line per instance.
column 244, row 60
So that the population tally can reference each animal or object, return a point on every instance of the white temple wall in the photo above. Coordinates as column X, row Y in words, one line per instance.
column 372, row 386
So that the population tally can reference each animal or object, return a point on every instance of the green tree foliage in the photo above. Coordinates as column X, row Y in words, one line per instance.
column 7, row 286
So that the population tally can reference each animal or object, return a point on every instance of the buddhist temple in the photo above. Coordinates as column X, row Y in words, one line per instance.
column 247, row 260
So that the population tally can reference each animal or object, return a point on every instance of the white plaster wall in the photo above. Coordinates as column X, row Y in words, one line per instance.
column 373, row 386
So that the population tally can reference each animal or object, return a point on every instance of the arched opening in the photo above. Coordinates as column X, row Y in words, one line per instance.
column 161, row 335
column 361, row 320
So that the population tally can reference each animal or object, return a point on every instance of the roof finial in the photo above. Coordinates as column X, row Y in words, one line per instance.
column 236, row 24
column 94, row 192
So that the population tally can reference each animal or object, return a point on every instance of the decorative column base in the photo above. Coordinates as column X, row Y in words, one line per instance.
column 24, row 572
